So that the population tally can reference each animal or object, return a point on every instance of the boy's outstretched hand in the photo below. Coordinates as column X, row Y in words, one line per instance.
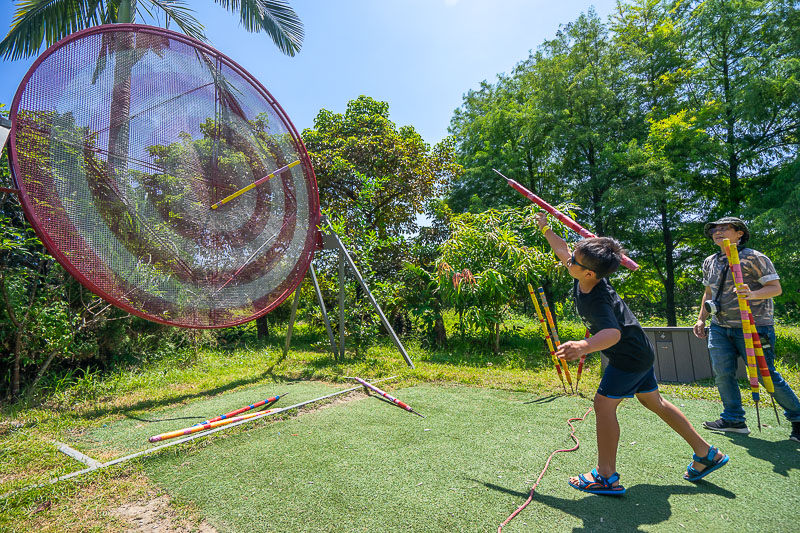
column 572, row 350
column 541, row 219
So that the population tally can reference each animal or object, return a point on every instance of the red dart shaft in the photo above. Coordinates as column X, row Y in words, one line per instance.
column 564, row 219
column 387, row 396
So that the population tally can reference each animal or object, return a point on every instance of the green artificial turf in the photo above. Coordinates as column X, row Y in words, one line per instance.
column 130, row 433
column 364, row 465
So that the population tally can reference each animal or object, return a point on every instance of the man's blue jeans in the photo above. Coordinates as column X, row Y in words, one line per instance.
column 726, row 346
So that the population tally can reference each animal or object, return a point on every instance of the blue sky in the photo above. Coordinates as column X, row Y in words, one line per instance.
column 420, row 56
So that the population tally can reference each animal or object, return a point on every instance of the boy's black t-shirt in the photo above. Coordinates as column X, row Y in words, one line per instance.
column 602, row 308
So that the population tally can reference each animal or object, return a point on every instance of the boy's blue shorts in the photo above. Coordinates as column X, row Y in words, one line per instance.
column 618, row 383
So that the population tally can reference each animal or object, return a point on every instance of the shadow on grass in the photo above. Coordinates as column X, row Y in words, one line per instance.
column 146, row 405
column 782, row 454
column 517, row 350
column 249, row 411
column 299, row 342
column 640, row 506
column 543, row 399
column 475, row 352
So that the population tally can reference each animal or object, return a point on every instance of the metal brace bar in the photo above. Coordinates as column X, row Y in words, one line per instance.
column 291, row 320
column 340, row 259
column 324, row 311
column 5, row 130
column 384, row 321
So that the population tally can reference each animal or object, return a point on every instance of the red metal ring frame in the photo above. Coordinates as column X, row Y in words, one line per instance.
column 311, row 241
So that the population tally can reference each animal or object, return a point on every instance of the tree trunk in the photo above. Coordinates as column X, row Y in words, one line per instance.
column 17, row 362
column 440, row 333
column 262, row 328
column 20, row 325
column 496, row 343
column 41, row 372
column 734, row 188
column 119, row 120
column 597, row 193
column 669, row 266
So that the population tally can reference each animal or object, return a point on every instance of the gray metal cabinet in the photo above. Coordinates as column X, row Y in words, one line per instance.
column 680, row 356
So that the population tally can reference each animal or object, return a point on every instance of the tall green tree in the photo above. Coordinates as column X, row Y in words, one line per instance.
column 498, row 127
column 374, row 178
column 656, row 203
column 553, row 125
column 745, row 92
column 776, row 194
column 38, row 22
column 582, row 92
column 369, row 169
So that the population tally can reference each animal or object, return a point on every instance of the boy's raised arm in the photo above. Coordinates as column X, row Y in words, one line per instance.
column 558, row 244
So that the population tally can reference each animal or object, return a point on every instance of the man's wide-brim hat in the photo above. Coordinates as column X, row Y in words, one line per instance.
column 737, row 223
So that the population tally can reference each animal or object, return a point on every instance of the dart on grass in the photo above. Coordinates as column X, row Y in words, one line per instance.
column 267, row 402
column 389, row 398
column 212, row 425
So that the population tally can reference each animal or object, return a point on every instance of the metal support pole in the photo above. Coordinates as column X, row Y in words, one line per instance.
column 324, row 312
column 357, row 274
column 341, row 296
column 291, row 320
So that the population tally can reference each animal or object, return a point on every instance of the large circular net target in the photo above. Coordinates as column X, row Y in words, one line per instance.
column 126, row 140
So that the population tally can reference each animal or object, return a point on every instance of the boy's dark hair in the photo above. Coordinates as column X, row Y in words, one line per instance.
column 603, row 255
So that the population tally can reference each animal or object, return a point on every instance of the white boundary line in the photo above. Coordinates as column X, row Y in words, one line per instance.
column 180, row 441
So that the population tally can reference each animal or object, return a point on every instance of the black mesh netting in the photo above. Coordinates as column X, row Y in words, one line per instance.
column 124, row 136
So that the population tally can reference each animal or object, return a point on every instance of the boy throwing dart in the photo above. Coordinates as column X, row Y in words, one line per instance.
column 617, row 333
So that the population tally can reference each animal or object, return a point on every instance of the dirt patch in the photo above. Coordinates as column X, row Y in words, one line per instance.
column 332, row 402
column 157, row 515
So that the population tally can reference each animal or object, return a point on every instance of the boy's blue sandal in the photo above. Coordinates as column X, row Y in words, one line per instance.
column 600, row 485
column 693, row 474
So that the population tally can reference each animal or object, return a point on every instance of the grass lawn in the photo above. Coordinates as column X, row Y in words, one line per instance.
column 358, row 464
column 363, row 465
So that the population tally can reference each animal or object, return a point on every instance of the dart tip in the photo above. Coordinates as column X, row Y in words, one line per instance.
column 499, row 173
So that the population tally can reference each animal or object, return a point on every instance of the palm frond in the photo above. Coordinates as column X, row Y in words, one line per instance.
column 275, row 17
column 46, row 21
column 181, row 13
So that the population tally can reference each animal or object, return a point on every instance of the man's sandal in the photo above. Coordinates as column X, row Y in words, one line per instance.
column 600, row 485
column 692, row 474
